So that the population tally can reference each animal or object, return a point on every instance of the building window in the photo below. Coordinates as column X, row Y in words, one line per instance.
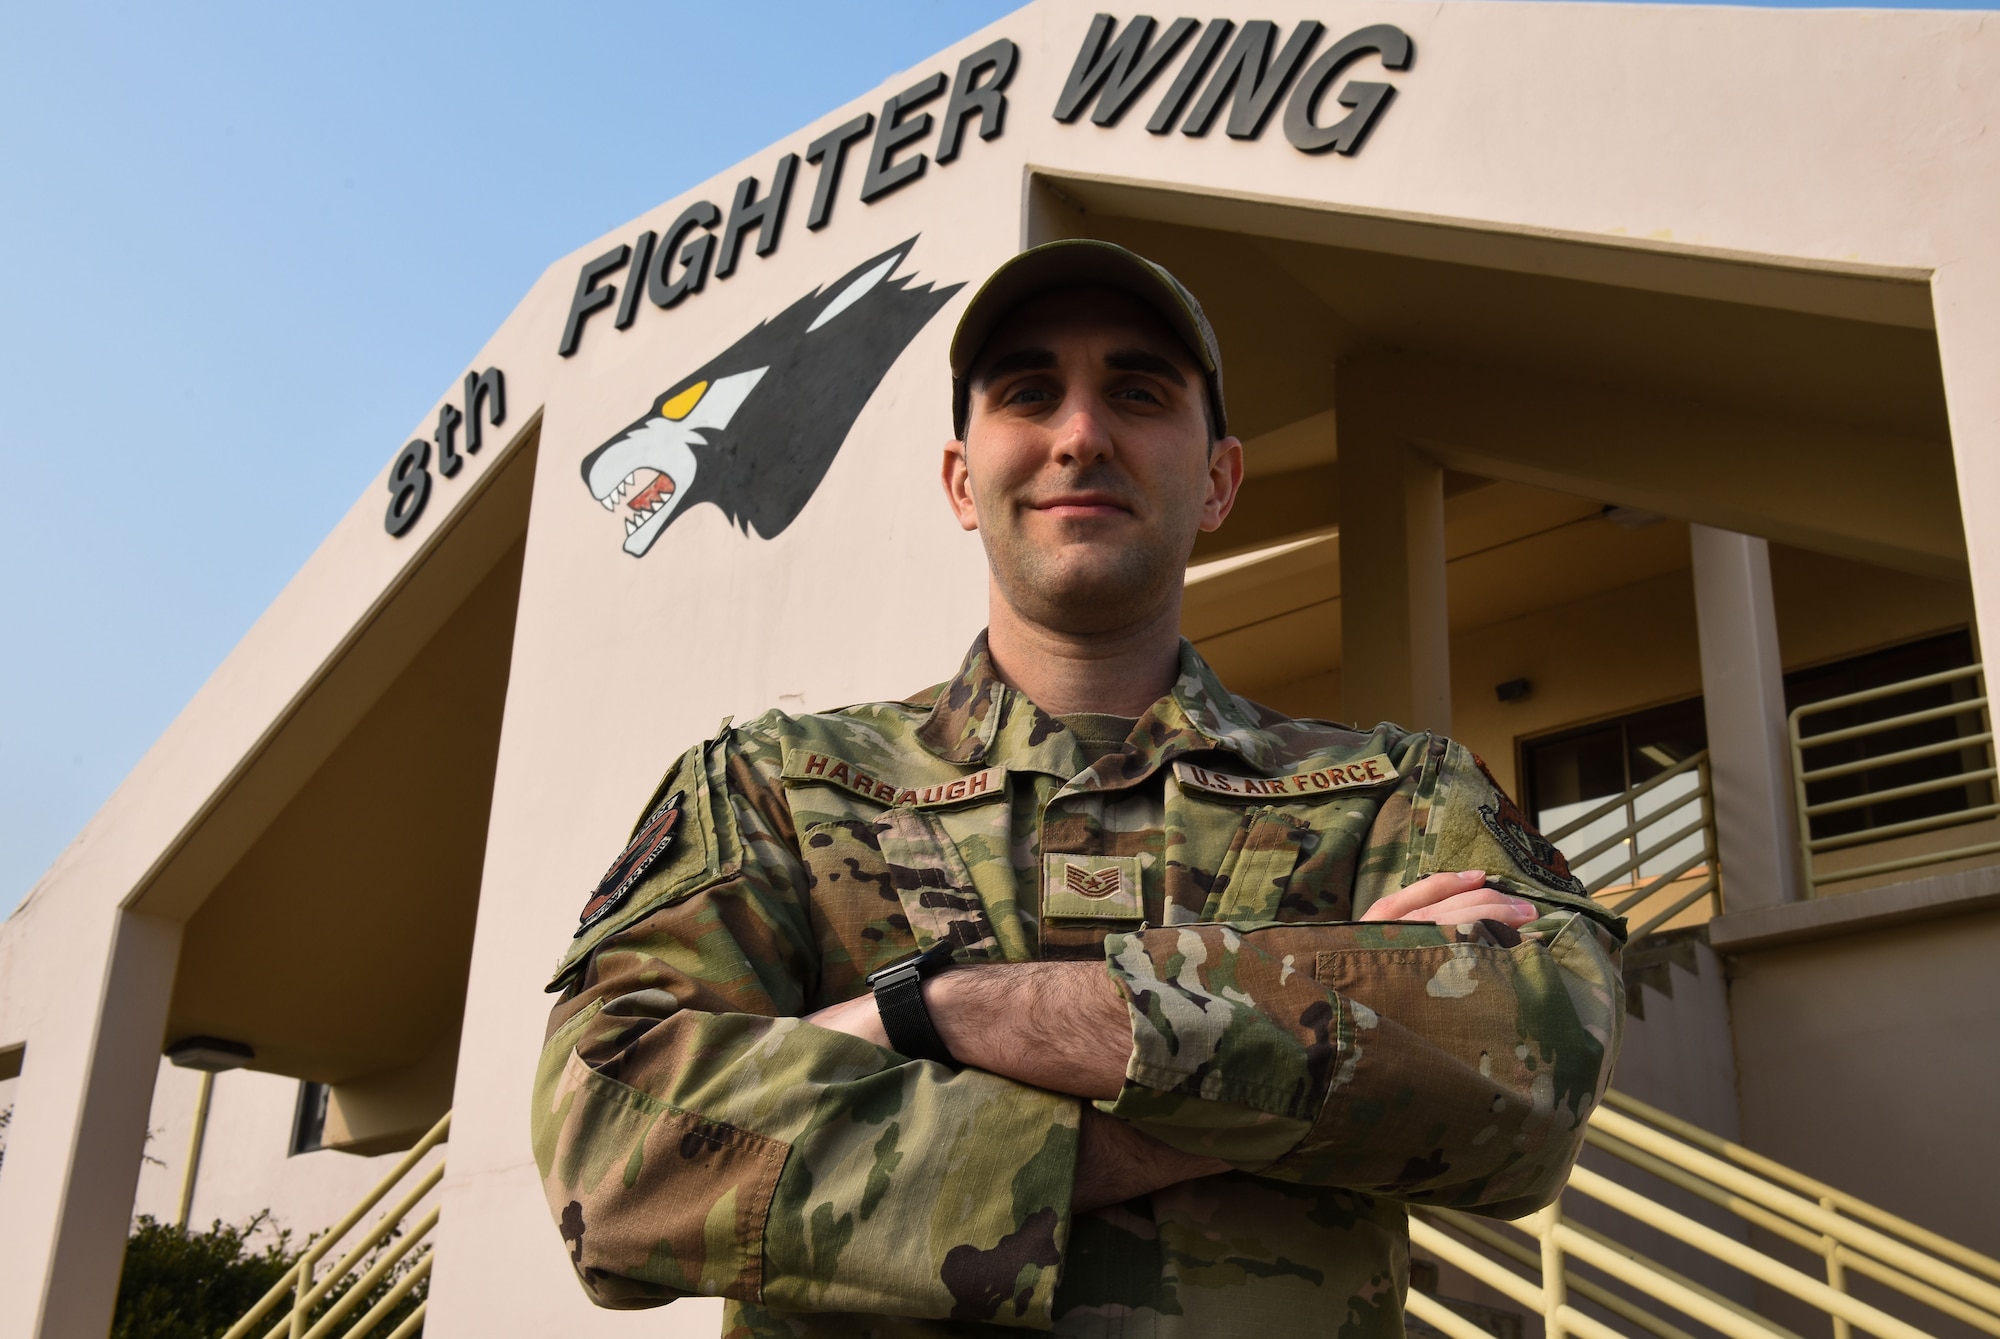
column 309, row 1118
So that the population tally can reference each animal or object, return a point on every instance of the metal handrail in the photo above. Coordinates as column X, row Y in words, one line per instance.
column 308, row 1293
column 1803, row 776
column 1848, row 1234
column 1628, row 796
column 1702, row 825
column 1540, row 1273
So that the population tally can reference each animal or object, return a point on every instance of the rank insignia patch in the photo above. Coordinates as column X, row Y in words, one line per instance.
column 1091, row 888
column 650, row 843
column 1104, row 883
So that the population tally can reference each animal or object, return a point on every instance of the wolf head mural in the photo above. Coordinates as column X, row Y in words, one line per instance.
column 756, row 428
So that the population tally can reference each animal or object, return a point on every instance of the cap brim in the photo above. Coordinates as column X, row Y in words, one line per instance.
column 1073, row 263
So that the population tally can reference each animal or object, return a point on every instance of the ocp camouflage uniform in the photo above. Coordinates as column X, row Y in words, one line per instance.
column 694, row 1136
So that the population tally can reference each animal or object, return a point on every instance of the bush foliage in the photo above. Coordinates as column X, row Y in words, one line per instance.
column 179, row 1284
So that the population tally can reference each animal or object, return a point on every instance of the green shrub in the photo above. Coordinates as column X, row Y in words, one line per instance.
column 179, row 1284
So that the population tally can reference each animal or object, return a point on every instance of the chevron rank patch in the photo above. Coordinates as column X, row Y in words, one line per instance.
column 655, row 835
column 1091, row 888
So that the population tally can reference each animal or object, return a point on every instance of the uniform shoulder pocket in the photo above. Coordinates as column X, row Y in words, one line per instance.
column 686, row 839
column 1474, row 824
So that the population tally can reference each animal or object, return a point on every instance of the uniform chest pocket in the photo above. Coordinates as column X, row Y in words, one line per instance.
column 885, row 883
column 1291, row 863
column 1256, row 872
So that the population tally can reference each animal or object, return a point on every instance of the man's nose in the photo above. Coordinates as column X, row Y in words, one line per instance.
column 1082, row 439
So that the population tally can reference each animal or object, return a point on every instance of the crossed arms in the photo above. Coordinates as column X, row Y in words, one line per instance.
column 1064, row 1027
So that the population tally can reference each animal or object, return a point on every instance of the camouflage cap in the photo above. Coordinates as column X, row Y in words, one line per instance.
column 1080, row 262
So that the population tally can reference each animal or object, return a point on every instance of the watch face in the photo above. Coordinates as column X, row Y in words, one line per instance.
column 936, row 956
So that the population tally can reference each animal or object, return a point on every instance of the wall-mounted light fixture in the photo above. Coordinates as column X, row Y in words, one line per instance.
column 210, row 1054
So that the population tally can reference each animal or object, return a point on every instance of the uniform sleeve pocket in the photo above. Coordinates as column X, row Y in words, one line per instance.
column 655, row 1201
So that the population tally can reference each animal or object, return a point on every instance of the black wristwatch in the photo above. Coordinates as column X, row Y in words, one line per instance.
column 899, row 998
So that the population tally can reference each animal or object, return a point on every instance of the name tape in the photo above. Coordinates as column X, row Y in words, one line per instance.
column 832, row 771
column 1334, row 776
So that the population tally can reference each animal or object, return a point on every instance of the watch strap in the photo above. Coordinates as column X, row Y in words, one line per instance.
column 900, row 1001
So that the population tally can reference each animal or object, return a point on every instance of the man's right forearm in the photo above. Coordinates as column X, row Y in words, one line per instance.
column 1062, row 1026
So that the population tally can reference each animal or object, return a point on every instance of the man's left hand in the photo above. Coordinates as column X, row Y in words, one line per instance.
column 1453, row 899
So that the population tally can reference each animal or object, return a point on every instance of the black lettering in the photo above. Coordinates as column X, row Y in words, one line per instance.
column 1198, row 61
column 830, row 152
column 445, row 436
column 1253, row 77
column 892, row 132
column 969, row 96
column 767, row 215
column 628, row 306
column 1345, row 136
column 491, row 387
column 589, row 297
column 409, row 487
column 1123, row 71
column 693, row 256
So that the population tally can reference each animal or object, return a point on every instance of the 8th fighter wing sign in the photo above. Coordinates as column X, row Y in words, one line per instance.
column 756, row 428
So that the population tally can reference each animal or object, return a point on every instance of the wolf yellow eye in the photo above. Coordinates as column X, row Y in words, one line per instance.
column 683, row 404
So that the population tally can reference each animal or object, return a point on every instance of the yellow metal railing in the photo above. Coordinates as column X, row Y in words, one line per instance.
column 371, row 1259
column 1569, row 1274
column 1691, row 810
column 1536, row 1261
column 1803, row 776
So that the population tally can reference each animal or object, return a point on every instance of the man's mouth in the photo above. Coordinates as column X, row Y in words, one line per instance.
column 644, row 492
column 1081, row 505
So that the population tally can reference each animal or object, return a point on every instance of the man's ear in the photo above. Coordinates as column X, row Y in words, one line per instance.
column 958, row 486
column 1225, row 478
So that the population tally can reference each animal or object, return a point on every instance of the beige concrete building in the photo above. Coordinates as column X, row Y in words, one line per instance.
column 1618, row 390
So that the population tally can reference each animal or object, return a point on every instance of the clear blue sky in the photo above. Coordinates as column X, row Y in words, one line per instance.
column 245, row 245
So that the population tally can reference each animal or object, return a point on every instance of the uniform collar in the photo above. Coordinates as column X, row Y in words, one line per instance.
column 976, row 719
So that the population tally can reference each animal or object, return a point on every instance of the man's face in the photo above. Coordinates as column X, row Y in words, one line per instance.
column 1087, row 465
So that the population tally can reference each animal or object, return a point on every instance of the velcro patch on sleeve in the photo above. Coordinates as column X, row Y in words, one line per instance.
column 805, row 765
column 648, row 845
column 1353, row 775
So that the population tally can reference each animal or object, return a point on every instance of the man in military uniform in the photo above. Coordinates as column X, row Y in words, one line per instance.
column 1075, row 993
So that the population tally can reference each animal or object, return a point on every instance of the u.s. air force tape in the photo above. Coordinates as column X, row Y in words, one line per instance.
column 1350, row 775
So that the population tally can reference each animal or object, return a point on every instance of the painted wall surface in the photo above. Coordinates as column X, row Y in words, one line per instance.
column 1885, row 1032
column 1846, row 140
column 245, row 1167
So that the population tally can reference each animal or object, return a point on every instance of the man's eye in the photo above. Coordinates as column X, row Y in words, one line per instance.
column 1030, row 395
column 1143, row 394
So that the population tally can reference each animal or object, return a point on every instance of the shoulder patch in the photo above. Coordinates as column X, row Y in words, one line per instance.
column 1373, row 771
column 808, row 765
column 1534, row 853
column 655, row 835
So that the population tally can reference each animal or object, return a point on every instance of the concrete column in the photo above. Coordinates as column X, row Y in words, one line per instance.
column 1394, row 632
column 80, row 1130
column 1743, row 695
